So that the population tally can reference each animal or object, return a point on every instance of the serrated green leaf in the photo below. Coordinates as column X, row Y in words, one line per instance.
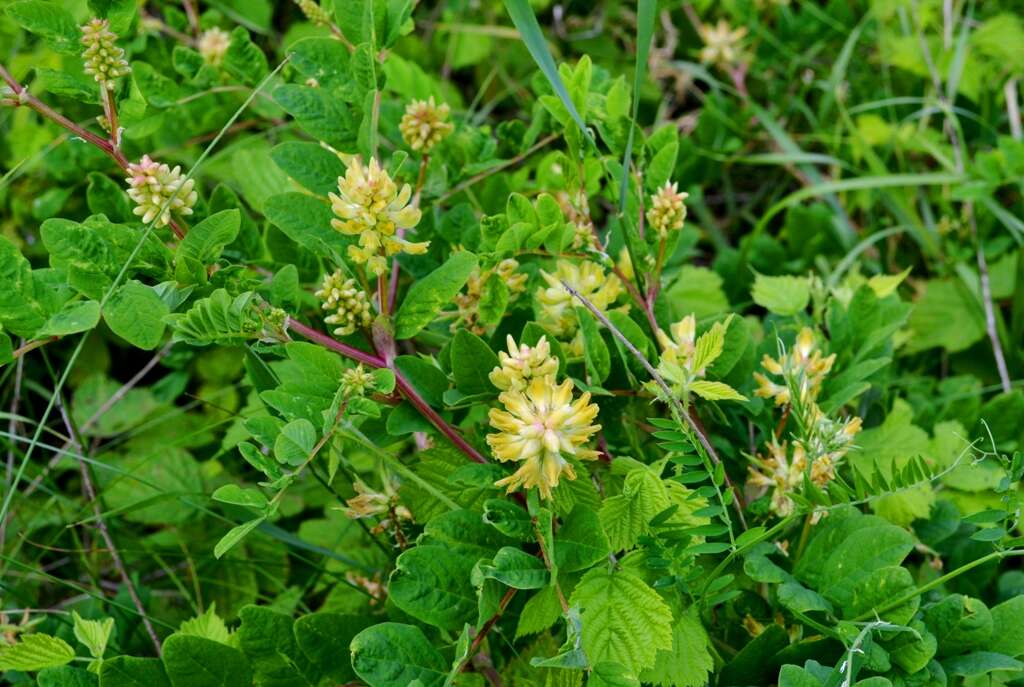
column 624, row 620
column 94, row 634
column 35, row 652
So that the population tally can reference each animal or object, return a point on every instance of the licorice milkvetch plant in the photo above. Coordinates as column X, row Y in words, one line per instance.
column 391, row 343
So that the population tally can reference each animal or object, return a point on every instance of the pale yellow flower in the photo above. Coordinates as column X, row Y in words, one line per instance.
column 802, row 369
column 425, row 124
column 557, row 306
column 721, row 44
column 370, row 205
column 668, row 209
column 539, row 427
column 213, row 45
column 522, row 364
column 348, row 304
column 158, row 191
column 103, row 59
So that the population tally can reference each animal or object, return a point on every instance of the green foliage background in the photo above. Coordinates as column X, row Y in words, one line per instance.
column 182, row 448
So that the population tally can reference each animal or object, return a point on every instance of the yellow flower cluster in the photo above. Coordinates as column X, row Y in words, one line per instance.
column 721, row 44
column 468, row 303
column 314, row 12
column 370, row 205
column 802, row 370
column 540, row 425
column 668, row 210
column 103, row 59
column 348, row 304
column 158, row 190
column 556, row 306
column 213, row 45
column 822, row 442
column 425, row 124
column 522, row 364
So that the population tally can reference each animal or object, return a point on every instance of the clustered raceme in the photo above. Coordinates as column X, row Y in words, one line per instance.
column 370, row 205
column 103, row 59
column 721, row 44
column 822, row 441
column 158, row 191
column 522, row 364
column 213, row 45
column 468, row 303
column 314, row 12
column 556, row 305
column 425, row 124
column 348, row 304
column 356, row 381
column 540, row 426
column 668, row 211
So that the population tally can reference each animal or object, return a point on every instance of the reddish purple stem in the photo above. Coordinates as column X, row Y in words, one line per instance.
column 404, row 387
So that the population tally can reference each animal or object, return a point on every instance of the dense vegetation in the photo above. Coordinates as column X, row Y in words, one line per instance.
column 511, row 343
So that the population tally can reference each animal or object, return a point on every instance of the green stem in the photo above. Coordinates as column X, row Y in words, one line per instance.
column 938, row 582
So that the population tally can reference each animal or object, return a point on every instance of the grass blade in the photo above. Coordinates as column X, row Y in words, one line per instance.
column 644, row 32
column 533, row 38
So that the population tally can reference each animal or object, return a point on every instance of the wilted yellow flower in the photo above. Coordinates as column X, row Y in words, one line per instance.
column 370, row 205
column 213, row 45
column 782, row 472
column 556, row 312
column 721, row 44
column 803, row 369
column 370, row 503
column 153, row 185
column 103, row 59
column 468, row 302
column 522, row 364
column 576, row 209
column 314, row 12
column 668, row 210
column 348, row 304
column 540, row 425
column 425, row 124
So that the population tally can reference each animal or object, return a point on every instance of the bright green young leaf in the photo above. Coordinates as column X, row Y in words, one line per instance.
column 94, row 634
column 624, row 620
column 35, row 652
column 781, row 295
